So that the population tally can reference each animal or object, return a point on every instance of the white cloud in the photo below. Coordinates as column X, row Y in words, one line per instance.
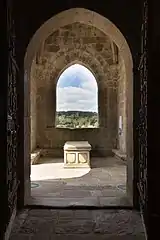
column 72, row 98
column 83, row 98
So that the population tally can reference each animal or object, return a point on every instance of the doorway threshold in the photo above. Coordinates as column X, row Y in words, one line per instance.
column 87, row 202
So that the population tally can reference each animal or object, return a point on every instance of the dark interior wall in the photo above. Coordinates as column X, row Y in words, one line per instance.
column 153, row 122
column 3, row 126
column 32, row 14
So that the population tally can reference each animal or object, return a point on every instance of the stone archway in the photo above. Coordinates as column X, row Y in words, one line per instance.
column 93, row 19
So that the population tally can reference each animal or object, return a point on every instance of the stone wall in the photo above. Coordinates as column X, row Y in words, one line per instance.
column 76, row 43
column 33, row 109
column 122, row 107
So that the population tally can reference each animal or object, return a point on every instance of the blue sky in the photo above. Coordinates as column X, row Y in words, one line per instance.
column 77, row 90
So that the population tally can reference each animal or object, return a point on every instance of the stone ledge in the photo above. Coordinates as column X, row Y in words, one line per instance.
column 77, row 145
column 95, row 202
column 59, row 153
column 35, row 155
column 76, row 165
column 119, row 154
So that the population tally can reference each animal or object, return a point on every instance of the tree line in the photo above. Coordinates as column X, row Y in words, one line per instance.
column 76, row 119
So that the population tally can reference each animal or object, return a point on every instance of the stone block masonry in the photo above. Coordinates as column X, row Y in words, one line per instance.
column 77, row 154
column 86, row 45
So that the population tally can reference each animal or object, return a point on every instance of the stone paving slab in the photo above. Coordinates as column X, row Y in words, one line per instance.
column 107, row 178
column 91, row 202
column 114, row 201
column 77, row 225
column 65, row 202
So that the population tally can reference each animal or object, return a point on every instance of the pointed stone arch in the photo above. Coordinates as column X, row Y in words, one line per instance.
column 82, row 67
column 93, row 19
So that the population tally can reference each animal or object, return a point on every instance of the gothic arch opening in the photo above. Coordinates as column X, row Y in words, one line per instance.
column 108, row 80
column 76, row 98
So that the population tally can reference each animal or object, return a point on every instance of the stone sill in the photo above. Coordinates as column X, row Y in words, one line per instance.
column 119, row 154
column 90, row 202
column 35, row 155
column 67, row 128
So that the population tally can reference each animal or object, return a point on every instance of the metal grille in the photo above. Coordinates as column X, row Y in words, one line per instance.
column 142, row 183
column 11, row 115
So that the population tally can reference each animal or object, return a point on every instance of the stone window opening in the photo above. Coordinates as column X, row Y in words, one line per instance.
column 76, row 98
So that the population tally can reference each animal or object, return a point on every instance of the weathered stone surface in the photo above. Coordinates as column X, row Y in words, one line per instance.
column 84, row 44
column 77, row 154
column 80, row 224
column 53, row 48
column 102, row 185
column 122, row 107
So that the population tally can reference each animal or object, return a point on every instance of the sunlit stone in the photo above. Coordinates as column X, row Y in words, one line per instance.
column 77, row 154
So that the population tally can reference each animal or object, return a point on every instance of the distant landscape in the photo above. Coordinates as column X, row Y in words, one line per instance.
column 76, row 119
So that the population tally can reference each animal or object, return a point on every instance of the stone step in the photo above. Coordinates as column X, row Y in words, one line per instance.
column 119, row 154
column 35, row 156
column 95, row 202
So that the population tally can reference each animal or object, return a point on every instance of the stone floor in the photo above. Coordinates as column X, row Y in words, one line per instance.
column 102, row 185
column 45, row 224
